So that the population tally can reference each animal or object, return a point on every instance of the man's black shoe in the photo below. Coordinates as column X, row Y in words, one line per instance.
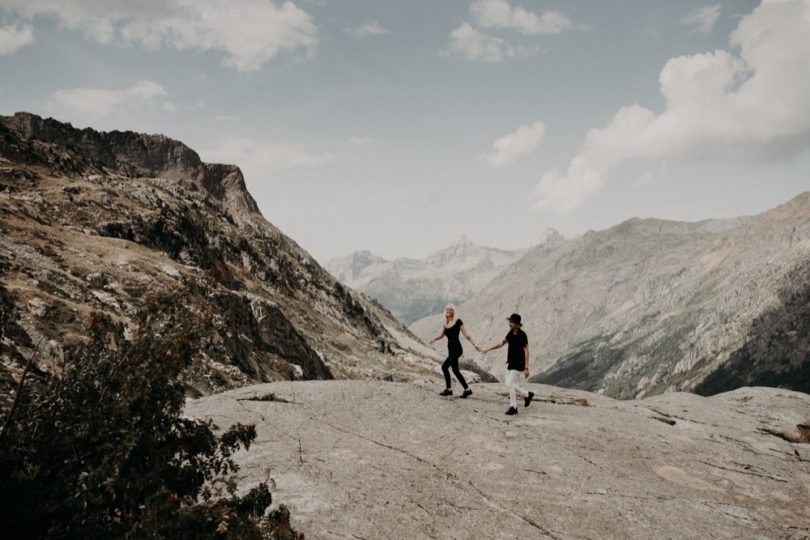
column 467, row 392
column 528, row 399
column 446, row 392
column 511, row 411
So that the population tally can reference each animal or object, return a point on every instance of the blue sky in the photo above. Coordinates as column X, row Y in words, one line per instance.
column 400, row 126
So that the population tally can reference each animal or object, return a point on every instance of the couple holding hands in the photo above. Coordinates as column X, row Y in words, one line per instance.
column 517, row 356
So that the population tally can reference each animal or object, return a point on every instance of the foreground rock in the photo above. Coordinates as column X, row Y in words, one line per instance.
column 387, row 460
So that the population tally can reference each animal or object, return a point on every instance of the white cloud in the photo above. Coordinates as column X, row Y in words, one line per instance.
column 258, row 159
column 510, row 147
column 362, row 141
column 250, row 32
column 101, row 102
column 752, row 108
column 178, row 107
column 368, row 29
column 499, row 14
column 13, row 37
column 703, row 19
column 477, row 46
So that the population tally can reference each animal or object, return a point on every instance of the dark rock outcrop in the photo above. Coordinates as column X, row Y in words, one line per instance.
column 777, row 347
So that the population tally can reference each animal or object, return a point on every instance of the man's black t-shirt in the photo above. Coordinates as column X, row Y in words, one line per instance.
column 516, row 358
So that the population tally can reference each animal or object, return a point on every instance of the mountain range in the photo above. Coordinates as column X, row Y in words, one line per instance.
column 652, row 306
column 127, row 225
column 414, row 288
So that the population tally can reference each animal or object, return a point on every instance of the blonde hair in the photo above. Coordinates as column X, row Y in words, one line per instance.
column 453, row 307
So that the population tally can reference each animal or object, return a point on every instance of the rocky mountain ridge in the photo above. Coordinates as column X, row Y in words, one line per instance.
column 652, row 306
column 125, row 224
column 413, row 288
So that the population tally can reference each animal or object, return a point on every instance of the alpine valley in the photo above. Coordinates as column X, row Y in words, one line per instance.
column 415, row 288
column 652, row 306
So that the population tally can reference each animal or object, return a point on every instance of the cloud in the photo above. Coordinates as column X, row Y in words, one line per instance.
column 751, row 108
column 510, row 147
column 101, row 102
column 703, row 19
column 183, row 107
column 499, row 14
column 368, row 29
column 362, row 141
column 13, row 37
column 477, row 46
column 249, row 32
column 261, row 158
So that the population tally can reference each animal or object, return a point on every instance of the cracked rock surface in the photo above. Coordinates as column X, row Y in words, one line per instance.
column 368, row 459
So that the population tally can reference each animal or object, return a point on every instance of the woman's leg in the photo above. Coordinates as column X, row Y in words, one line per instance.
column 446, row 371
column 457, row 372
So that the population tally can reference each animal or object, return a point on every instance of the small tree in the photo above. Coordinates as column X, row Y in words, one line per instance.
column 102, row 451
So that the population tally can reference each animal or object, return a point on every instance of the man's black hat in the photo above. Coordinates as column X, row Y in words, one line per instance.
column 515, row 318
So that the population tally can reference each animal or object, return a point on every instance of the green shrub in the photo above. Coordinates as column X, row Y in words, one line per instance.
column 102, row 451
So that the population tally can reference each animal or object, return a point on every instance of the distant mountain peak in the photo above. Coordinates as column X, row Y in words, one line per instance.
column 462, row 241
column 412, row 288
column 550, row 236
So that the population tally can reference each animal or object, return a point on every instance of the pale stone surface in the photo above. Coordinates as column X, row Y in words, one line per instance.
column 394, row 460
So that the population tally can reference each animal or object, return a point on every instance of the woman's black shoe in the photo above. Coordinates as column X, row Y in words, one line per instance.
column 446, row 392
column 467, row 392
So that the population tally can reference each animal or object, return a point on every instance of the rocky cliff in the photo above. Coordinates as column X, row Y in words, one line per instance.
column 124, row 223
column 652, row 306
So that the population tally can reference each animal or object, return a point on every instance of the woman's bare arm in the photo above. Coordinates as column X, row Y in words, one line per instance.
column 437, row 338
column 466, row 335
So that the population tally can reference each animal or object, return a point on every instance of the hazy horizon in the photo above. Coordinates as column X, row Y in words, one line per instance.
column 399, row 128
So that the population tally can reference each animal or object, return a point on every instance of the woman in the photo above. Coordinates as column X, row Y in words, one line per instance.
column 451, row 329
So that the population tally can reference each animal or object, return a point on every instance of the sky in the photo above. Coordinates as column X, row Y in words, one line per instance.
column 398, row 127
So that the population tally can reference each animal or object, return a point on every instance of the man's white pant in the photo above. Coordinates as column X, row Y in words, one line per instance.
column 511, row 382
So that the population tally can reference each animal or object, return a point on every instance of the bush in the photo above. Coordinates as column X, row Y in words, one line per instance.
column 102, row 451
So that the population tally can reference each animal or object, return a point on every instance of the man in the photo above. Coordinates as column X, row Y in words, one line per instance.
column 517, row 361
